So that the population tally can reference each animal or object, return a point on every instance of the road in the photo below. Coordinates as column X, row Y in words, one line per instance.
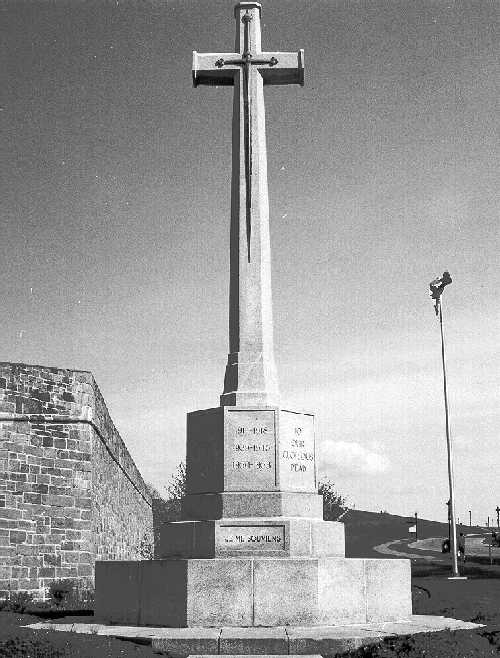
column 430, row 549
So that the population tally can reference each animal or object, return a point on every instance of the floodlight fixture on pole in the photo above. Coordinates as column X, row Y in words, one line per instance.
column 437, row 287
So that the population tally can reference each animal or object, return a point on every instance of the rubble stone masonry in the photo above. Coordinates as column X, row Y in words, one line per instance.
column 70, row 492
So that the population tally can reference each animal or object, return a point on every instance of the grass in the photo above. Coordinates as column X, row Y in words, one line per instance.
column 18, row 642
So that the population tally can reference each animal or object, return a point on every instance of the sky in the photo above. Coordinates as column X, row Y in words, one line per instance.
column 383, row 172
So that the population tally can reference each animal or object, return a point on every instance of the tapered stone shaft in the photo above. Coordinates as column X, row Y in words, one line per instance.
column 250, row 377
column 251, row 372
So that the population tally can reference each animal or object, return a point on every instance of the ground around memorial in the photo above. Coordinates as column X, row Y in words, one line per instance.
column 475, row 599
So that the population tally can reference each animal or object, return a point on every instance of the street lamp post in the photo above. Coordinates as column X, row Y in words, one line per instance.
column 470, row 518
column 497, row 510
column 436, row 287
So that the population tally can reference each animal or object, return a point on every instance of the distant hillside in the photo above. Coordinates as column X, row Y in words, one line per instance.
column 364, row 530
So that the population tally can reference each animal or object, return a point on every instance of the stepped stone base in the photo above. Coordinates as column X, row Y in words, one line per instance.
column 253, row 591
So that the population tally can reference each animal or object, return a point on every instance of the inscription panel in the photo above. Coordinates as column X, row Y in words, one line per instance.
column 297, row 455
column 250, row 538
column 250, row 451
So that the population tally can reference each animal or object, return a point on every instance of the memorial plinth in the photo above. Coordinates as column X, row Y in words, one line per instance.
column 258, row 552
column 252, row 548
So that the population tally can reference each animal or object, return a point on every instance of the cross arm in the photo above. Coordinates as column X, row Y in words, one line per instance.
column 207, row 69
column 289, row 68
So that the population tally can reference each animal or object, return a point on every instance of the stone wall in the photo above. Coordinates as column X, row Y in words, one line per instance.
column 70, row 492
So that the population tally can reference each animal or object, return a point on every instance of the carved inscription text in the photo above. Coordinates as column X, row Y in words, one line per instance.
column 297, row 453
column 251, row 456
column 249, row 538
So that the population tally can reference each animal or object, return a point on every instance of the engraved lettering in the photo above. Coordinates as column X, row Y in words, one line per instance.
column 251, row 463
column 259, row 538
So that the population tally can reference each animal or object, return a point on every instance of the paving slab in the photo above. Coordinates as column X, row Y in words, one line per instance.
column 245, row 641
column 253, row 641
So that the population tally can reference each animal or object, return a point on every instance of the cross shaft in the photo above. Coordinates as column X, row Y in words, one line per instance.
column 250, row 372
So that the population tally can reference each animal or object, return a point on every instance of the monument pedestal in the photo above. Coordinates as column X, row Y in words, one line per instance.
column 253, row 549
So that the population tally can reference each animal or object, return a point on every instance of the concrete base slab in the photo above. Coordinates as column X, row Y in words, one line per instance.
column 284, row 640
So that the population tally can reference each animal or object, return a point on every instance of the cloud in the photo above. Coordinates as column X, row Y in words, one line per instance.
column 353, row 457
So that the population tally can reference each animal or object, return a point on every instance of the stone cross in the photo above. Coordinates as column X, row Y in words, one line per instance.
column 252, row 550
column 250, row 372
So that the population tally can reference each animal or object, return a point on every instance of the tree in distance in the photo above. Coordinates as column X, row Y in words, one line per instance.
column 176, row 488
column 334, row 504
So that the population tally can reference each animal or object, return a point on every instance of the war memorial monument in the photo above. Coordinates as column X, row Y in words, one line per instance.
column 252, row 555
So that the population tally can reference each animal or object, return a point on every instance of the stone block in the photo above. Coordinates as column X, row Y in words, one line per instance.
column 243, row 537
column 244, row 641
column 17, row 536
column 388, row 589
column 47, row 572
column 117, row 592
column 220, row 592
column 178, row 539
column 250, row 449
column 341, row 591
column 252, row 503
column 327, row 539
column 285, row 592
column 183, row 642
column 325, row 641
column 296, row 451
column 205, row 451
column 85, row 570
column 162, row 596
